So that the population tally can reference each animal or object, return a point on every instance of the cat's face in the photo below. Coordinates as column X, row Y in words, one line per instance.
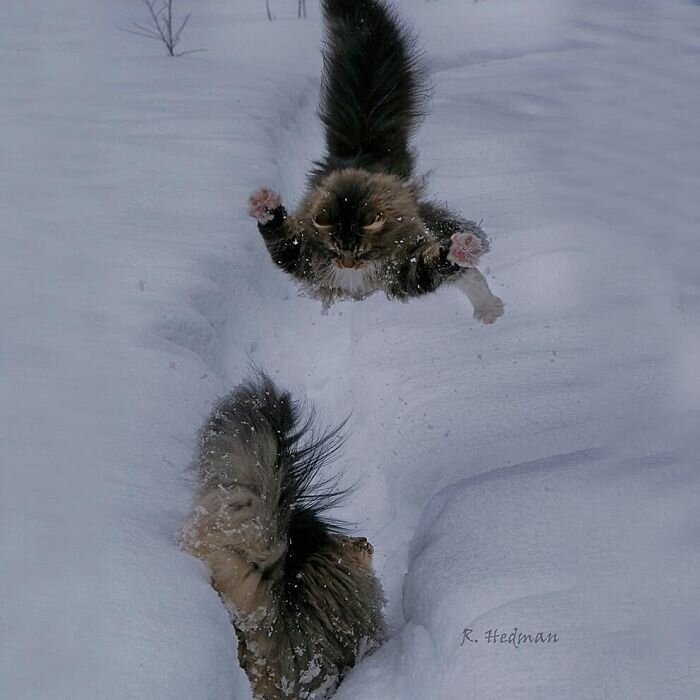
column 356, row 217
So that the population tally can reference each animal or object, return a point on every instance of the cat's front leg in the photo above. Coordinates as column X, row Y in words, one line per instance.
column 265, row 206
column 465, row 250
column 487, row 306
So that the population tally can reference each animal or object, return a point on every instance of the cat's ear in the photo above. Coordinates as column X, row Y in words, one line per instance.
column 376, row 226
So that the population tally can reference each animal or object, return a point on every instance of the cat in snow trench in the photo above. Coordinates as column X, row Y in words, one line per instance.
column 364, row 225
column 303, row 599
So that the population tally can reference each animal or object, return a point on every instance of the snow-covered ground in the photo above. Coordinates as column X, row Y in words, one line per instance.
column 540, row 474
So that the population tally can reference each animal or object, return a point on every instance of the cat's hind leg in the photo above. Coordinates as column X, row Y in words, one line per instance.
column 487, row 306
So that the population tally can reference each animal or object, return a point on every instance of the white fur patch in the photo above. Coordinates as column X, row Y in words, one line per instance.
column 487, row 306
column 357, row 281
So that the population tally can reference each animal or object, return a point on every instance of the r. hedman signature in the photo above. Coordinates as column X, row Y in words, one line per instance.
column 516, row 638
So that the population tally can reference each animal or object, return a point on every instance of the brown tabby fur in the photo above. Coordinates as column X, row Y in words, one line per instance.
column 363, row 225
column 302, row 596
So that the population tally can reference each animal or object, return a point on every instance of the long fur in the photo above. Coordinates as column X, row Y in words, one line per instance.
column 363, row 225
column 374, row 90
column 302, row 596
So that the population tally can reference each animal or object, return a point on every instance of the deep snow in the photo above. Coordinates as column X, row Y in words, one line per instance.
column 539, row 474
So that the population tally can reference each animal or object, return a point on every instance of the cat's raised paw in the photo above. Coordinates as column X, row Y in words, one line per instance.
column 465, row 249
column 262, row 204
column 488, row 311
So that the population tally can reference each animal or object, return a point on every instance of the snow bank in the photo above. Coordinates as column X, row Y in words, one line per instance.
column 588, row 550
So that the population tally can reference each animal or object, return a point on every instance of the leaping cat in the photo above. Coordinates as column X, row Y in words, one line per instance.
column 363, row 225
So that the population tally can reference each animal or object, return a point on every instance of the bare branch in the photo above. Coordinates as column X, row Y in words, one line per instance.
column 185, row 53
column 160, row 26
column 146, row 29
column 182, row 26
column 148, row 35
column 154, row 15
column 169, row 23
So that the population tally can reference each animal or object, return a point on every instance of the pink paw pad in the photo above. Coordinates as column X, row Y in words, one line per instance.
column 465, row 249
column 262, row 203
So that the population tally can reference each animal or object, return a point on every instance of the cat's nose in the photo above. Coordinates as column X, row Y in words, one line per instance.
column 348, row 260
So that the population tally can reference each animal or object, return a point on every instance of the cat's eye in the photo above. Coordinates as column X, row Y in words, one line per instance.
column 322, row 222
column 376, row 225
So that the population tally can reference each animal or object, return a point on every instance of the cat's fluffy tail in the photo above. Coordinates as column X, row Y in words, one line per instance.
column 302, row 595
column 374, row 91
column 259, row 462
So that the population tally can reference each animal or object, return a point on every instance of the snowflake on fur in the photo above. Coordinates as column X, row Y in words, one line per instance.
column 465, row 249
column 262, row 204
